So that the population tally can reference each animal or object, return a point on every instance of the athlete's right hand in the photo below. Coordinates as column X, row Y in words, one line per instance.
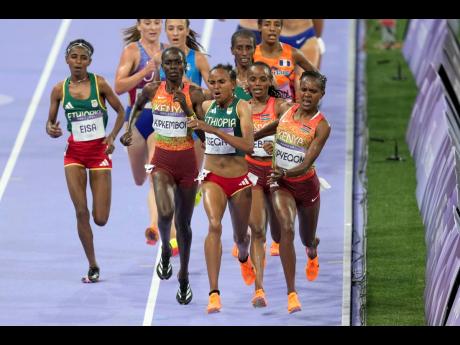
column 53, row 130
column 149, row 70
column 275, row 175
column 244, row 84
column 195, row 124
column 126, row 138
column 268, row 147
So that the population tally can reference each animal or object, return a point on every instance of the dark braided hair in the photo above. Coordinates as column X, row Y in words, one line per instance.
column 191, row 40
column 316, row 75
column 227, row 67
column 272, row 91
column 80, row 43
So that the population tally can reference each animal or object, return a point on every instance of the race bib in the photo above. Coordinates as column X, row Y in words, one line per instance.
column 170, row 126
column 88, row 129
column 259, row 146
column 216, row 145
column 288, row 156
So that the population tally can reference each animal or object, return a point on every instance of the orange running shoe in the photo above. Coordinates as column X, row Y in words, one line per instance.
column 174, row 246
column 312, row 268
column 275, row 249
column 214, row 304
column 248, row 272
column 259, row 301
column 152, row 235
column 235, row 250
column 293, row 303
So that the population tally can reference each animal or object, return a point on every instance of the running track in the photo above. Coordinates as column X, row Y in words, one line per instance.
column 41, row 256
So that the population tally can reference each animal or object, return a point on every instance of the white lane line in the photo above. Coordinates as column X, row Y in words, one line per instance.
column 207, row 33
column 55, row 49
column 155, row 284
column 347, row 245
column 153, row 293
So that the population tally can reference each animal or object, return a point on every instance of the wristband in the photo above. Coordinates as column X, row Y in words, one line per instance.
column 322, row 46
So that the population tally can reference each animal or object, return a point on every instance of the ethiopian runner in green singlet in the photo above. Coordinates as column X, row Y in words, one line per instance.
column 229, row 135
column 83, row 96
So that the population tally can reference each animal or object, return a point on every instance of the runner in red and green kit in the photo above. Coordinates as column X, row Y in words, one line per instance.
column 229, row 136
column 86, row 121
column 301, row 134
column 83, row 96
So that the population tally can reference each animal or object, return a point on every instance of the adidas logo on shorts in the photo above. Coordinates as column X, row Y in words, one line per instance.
column 104, row 163
column 245, row 182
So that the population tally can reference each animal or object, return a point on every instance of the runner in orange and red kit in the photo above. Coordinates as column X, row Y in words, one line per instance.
column 301, row 134
column 281, row 57
column 267, row 105
column 174, row 161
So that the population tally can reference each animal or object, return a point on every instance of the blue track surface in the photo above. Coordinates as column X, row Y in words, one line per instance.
column 41, row 256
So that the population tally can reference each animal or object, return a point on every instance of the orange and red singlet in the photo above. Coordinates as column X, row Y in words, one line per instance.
column 170, row 121
column 293, row 138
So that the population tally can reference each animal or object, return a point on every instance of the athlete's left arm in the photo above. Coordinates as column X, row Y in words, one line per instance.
column 305, row 64
column 321, row 135
column 203, row 66
column 247, row 126
column 267, row 130
column 302, row 61
column 281, row 106
column 107, row 93
column 197, row 97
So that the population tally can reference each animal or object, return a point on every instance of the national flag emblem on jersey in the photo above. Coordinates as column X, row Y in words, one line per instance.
column 305, row 129
column 94, row 103
column 284, row 63
column 264, row 117
column 229, row 110
column 68, row 106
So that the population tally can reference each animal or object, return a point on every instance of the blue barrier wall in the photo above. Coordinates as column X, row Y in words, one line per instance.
column 433, row 135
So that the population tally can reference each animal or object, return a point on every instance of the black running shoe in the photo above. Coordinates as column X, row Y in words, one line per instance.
column 93, row 274
column 184, row 293
column 164, row 268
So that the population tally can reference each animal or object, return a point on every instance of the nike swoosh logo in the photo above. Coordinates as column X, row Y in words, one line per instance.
column 313, row 200
column 300, row 40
